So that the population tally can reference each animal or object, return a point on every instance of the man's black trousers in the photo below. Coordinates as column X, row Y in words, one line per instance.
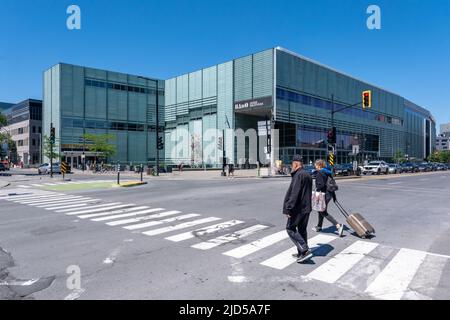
column 296, row 228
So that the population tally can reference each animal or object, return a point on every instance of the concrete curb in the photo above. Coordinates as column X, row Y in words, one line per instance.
column 131, row 184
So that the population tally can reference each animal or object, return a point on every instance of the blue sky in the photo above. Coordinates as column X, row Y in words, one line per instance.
column 163, row 38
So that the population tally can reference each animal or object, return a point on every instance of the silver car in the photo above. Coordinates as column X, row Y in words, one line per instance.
column 45, row 168
column 395, row 168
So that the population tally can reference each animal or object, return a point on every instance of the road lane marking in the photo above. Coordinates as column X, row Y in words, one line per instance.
column 29, row 197
column 393, row 281
column 68, row 202
column 285, row 259
column 109, row 206
column 139, row 219
column 204, row 231
column 337, row 266
column 257, row 245
column 67, row 211
column 110, row 213
column 54, row 198
column 229, row 237
column 155, row 223
column 394, row 183
column 50, row 202
column 23, row 186
column 427, row 279
column 40, row 203
column 67, row 206
column 180, row 226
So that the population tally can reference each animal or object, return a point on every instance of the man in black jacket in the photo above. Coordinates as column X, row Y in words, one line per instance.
column 297, row 208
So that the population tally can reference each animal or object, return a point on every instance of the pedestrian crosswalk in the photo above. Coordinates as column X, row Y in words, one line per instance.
column 61, row 183
column 365, row 267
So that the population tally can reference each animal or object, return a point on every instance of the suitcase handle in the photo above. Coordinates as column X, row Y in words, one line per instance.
column 343, row 211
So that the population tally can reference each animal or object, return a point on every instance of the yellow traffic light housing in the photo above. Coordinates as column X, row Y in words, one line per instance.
column 367, row 99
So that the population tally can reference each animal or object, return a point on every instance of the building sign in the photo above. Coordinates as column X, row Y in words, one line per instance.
column 253, row 103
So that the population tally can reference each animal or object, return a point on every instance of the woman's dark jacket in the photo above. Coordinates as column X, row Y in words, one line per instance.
column 321, row 182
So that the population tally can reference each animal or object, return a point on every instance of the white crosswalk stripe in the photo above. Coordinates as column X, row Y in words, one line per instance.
column 110, row 213
column 285, row 259
column 180, row 226
column 204, row 231
column 427, row 279
column 139, row 219
column 23, row 186
column 68, row 202
column 393, row 281
column 155, row 223
column 229, row 237
column 107, row 208
column 337, row 266
column 257, row 245
column 30, row 196
column 50, row 201
column 47, row 199
column 78, row 205
column 67, row 211
column 100, row 207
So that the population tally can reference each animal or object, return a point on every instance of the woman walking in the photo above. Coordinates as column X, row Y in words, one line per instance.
column 323, row 174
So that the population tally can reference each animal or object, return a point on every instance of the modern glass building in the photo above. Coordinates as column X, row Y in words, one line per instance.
column 79, row 100
column 293, row 94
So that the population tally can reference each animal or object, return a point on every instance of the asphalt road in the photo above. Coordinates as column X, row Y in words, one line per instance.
column 408, row 258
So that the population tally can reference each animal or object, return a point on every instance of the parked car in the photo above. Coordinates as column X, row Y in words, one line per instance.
column 395, row 168
column 343, row 169
column 2, row 167
column 45, row 168
column 425, row 167
column 410, row 167
column 376, row 167
column 441, row 167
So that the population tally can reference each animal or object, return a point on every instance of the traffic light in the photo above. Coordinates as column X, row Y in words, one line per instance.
column 331, row 136
column 367, row 99
column 52, row 135
column 160, row 143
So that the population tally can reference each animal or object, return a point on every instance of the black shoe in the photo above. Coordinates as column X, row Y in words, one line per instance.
column 296, row 255
column 305, row 256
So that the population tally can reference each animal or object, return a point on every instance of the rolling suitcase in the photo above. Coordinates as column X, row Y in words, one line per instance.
column 357, row 222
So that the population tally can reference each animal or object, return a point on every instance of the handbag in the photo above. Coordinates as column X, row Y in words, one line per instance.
column 332, row 185
column 318, row 201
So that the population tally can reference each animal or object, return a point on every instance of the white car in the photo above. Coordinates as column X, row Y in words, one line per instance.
column 376, row 167
column 45, row 168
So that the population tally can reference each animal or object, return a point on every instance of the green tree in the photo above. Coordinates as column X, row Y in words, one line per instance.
column 49, row 151
column 100, row 144
column 399, row 157
column 442, row 156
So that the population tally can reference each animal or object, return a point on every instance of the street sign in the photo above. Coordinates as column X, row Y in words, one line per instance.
column 355, row 149
column 64, row 167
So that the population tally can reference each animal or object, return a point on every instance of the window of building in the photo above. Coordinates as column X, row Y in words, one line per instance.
column 20, row 131
column 39, row 130
column 34, row 129
column 33, row 142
